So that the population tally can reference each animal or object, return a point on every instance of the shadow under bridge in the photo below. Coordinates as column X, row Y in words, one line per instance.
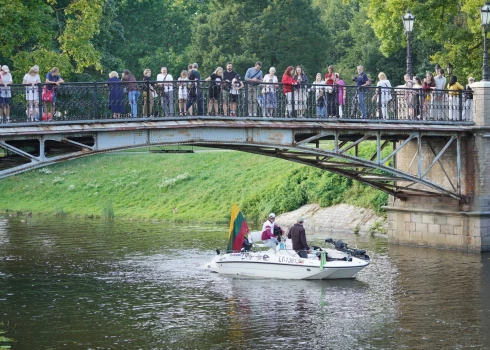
column 365, row 152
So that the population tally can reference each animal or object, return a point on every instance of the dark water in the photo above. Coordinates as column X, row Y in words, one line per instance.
column 86, row 284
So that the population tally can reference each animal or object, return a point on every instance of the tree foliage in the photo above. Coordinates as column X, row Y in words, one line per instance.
column 88, row 37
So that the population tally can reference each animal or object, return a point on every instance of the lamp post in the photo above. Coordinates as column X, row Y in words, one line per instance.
column 408, row 20
column 485, row 21
column 449, row 69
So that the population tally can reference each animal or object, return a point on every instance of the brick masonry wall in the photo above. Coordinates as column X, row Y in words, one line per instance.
column 443, row 222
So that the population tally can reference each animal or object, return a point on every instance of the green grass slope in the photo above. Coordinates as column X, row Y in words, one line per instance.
column 202, row 186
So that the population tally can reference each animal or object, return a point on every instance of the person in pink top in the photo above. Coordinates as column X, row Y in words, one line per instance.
column 288, row 82
column 341, row 94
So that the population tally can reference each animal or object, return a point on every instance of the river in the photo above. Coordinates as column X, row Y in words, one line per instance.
column 91, row 284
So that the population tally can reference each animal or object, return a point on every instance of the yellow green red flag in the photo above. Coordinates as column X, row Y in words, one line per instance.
column 238, row 229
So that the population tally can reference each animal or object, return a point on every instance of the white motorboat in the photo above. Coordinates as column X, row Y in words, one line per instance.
column 283, row 262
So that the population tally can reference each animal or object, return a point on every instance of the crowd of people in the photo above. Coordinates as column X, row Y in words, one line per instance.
column 431, row 97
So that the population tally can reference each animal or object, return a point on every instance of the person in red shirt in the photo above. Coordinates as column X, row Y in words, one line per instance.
column 331, row 79
column 288, row 82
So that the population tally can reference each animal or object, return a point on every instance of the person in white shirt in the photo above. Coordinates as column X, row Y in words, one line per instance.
column 269, row 92
column 383, row 94
column 5, row 93
column 31, row 79
column 166, row 91
column 183, row 81
column 268, row 232
column 439, row 95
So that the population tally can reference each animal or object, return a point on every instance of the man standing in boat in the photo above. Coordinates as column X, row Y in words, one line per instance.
column 297, row 235
column 268, row 237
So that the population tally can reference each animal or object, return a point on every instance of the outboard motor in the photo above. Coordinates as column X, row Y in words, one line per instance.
column 339, row 245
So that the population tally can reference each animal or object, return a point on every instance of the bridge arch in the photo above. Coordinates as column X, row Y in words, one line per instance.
column 328, row 146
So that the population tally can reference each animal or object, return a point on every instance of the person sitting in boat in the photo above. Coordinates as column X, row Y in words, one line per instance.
column 297, row 234
column 268, row 237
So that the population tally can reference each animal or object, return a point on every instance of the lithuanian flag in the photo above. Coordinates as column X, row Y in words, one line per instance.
column 238, row 229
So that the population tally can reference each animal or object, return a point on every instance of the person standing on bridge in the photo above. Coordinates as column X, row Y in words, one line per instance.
column 32, row 79
column 195, row 95
column 52, row 78
column 228, row 75
column 362, row 81
column 342, row 93
column 468, row 109
column 383, row 94
column 269, row 92
column 288, row 82
column 236, row 86
column 427, row 86
column 148, row 100
column 301, row 93
column 439, row 95
column 133, row 91
column 5, row 93
column 166, row 92
column 331, row 79
column 253, row 77
column 214, row 90
column 115, row 95
column 454, row 95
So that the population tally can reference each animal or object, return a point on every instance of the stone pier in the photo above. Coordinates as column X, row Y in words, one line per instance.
column 444, row 222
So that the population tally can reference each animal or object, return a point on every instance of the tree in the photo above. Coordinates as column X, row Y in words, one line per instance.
column 449, row 29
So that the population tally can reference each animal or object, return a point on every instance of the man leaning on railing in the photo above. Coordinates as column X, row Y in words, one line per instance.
column 253, row 77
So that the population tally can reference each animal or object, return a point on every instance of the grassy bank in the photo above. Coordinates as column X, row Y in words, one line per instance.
column 202, row 186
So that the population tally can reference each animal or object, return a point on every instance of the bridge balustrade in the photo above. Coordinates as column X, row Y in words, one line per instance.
column 92, row 101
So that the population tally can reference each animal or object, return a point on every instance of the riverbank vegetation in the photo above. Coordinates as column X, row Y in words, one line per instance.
column 198, row 186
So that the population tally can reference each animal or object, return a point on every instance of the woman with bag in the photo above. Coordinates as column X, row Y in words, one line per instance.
column 49, row 95
column 32, row 80
column 269, row 92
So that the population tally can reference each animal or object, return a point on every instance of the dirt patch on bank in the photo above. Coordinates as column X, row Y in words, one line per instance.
column 341, row 217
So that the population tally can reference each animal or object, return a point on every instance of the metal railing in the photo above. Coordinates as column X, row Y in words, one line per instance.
column 108, row 100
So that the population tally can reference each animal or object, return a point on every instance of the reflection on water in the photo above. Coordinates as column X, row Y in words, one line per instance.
column 94, row 284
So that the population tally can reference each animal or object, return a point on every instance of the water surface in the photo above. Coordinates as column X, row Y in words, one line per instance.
column 90, row 284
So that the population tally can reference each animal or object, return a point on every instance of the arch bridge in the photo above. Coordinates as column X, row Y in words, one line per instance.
column 435, row 149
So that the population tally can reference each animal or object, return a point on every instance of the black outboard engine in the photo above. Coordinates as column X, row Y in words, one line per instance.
column 343, row 247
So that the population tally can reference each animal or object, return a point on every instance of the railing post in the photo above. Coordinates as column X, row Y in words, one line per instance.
column 380, row 104
column 147, row 100
column 292, row 101
column 395, row 114
column 246, row 98
column 95, row 100
column 421, row 104
column 460, row 114
column 40, row 100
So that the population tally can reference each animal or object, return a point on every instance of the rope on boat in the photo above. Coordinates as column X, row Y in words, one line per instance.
column 323, row 259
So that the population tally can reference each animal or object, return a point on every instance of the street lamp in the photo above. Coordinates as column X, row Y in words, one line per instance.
column 485, row 21
column 438, row 68
column 408, row 20
column 449, row 69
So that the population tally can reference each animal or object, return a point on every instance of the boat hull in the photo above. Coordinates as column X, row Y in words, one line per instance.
column 283, row 265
